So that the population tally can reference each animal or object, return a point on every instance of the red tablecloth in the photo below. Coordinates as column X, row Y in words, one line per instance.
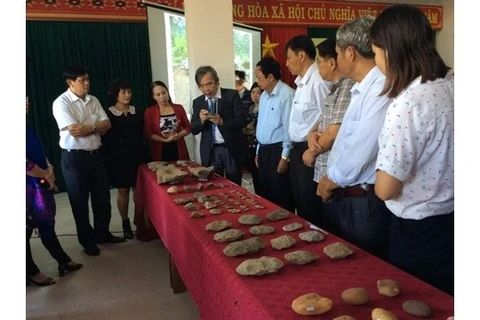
column 221, row 293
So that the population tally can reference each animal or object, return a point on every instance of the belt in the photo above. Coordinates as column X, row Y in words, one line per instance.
column 355, row 191
column 80, row 151
column 299, row 145
column 271, row 145
column 219, row 145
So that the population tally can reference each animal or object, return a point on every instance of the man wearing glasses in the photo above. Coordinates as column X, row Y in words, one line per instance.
column 220, row 116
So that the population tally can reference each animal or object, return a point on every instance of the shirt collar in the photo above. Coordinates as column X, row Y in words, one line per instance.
column 116, row 112
column 276, row 90
column 73, row 97
column 367, row 81
column 218, row 95
column 335, row 84
column 299, row 80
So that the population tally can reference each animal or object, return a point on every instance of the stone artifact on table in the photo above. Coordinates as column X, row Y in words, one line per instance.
column 154, row 165
column 228, row 235
column 261, row 230
column 189, row 189
column 196, row 214
column 344, row 317
column 234, row 210
column 218, row 225
column 191, row 206
column 301, row 257
column 311, row 236
column 202, row 199
column 216, row 211
column 417, row 308
column 382, row 314
column 337, row 250
column 249, row 219
column 311, row 304
column 278, row 214
column 183, row 163
column 283, row 242
column 244, row 207
column 219, row 185
column 202, row 173
column 199, row 186
column 388, row 287
column 292, row 226
column 355, row 296
column 169, row 174
column 198, row 194
column 209, row 185
column 259, row 267
column 209, row 205
column 239, row 248
column 259, row 206
column 182, row 200
column 173, row 190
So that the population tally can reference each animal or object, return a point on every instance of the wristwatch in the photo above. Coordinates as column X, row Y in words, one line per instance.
column 286, row 158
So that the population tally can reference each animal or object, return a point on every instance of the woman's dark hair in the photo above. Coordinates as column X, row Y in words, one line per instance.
column 163, row 85
column 326, row 48
column 405, row 34
column 255, row 85
column 114, row 88
column 269, row 65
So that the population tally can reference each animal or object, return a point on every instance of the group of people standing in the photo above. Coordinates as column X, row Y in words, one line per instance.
column 363, row 147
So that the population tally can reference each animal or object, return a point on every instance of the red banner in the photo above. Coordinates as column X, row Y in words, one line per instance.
column 315, row 13
column 310, row 13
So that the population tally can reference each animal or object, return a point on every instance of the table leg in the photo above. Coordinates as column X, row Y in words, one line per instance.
column 176, row 282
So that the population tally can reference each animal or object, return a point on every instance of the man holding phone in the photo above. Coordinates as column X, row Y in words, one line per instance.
column 220, row 116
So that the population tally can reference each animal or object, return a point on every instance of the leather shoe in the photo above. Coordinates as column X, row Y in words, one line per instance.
column 63, row 269
column 110, row 238
column 47, row 282
column 92, row 250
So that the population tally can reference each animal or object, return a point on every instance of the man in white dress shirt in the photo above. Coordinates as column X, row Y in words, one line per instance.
column 307, row 106
column 81, row 120
column 347, row 189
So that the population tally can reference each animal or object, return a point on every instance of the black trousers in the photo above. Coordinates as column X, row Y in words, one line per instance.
column 273, row 186
column 85, row 175
column 425, row 249
column 309, row 206
column 49, row 239
column 225, row 165
column 363, row 221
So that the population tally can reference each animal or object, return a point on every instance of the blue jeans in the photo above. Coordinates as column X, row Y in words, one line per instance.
column 85, row 175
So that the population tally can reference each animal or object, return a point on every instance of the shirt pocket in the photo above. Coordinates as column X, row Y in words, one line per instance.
column 309, row 110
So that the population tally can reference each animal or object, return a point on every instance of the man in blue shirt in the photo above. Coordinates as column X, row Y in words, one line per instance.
column 272, row 134
column 347, row 189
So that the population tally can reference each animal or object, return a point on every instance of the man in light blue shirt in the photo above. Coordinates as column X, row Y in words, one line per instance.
column 350, row 203
column 272, row 134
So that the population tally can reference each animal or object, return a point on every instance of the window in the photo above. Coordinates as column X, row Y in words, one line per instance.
column 168, row 51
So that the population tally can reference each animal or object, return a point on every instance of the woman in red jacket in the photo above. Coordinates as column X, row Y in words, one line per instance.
column 165, row 125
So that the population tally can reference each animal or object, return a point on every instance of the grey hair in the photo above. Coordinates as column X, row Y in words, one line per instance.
column 356, row 33
column 203, row 70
